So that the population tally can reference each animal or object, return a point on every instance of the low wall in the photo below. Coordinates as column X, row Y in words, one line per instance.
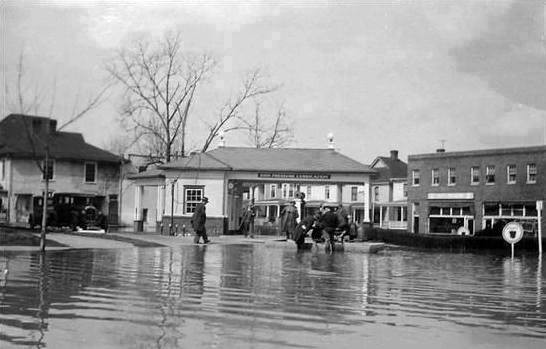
column 215, row 225
column 450, row 242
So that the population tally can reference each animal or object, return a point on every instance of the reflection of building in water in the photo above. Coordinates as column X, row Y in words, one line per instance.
column 479, row 190
column 33, row 284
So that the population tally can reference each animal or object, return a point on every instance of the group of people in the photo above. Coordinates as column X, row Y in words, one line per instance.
column 325, row 224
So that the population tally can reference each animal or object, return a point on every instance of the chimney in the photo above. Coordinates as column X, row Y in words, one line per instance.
column 52, row 126
column 394, row 154
column 331, row 144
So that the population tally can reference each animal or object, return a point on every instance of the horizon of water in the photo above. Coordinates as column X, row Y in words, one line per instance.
column 252, row 296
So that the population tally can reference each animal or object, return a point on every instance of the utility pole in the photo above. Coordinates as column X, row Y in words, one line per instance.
column 44, row 201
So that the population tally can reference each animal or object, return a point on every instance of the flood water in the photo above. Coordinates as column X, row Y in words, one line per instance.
column 252, row 296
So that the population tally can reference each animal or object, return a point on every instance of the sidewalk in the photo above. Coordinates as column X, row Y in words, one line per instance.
column 174, row 241
column 71, row 242
column 115, row 240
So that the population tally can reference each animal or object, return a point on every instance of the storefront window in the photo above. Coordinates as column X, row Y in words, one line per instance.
column 491, row 209
column 435, row 210
column 531, row 210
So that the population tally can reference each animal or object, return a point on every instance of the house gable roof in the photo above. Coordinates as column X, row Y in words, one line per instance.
column 272, row 159
column 394, row 168
column 18, row 139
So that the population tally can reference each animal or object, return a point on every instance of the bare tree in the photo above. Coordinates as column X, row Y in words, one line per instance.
column 252, row 87
column 160, row 83
column 267, row 132
column 31, row 99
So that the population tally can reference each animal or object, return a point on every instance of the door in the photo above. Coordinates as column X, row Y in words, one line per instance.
column 416, row 224
column 113, row 209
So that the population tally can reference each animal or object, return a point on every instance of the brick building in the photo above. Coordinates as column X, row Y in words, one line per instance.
column 480, row 190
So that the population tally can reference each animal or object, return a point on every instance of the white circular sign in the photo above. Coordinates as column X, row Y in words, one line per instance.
column 512, row 232
column 463, row 231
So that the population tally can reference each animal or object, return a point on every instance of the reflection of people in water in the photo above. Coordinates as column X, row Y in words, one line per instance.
column 192, row 276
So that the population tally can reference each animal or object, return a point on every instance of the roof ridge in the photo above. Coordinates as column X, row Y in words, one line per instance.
column 220, row 161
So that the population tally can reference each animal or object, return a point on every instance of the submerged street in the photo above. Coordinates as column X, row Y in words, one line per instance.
column 251, row 296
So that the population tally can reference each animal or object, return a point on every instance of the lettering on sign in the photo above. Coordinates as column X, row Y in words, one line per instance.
column 450, row 196
column 293, row 175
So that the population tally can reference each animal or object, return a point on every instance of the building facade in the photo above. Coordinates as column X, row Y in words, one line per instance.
column 476, row 192
column 231, row 176
column 79, row 174
column 389, row 193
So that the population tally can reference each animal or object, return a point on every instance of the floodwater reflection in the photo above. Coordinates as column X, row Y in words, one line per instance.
column 240, row 296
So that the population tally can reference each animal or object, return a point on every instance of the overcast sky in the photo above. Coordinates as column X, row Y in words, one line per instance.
column 380, row 75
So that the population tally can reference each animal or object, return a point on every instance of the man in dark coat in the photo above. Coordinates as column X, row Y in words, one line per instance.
column 247, row 225
column 328, row 221
column 198, row 221
column 289, row 216
column 303, row 228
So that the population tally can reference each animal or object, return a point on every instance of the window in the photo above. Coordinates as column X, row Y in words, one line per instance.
column 90, row 172
column 531, row 173
column 435, row 176
column 451, row 176
column 376, row 194
column 354, row 193
column 490, row 175
column 2, row 170
column 273, row 191
column 475, row 175
column 405, row 189
column 511, row 174
column 192, row 197
column 327, row 192
column 308, row 192
column 288, row 190
column 416, row 177
column 491, row 209
column 48, row 169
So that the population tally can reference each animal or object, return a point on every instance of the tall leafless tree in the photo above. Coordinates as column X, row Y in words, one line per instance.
column 29, row 97
column 160, row 82
column 253, row 86
column 265, row 131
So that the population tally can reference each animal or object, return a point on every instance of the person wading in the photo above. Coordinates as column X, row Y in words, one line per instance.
column 328, row 222
column 289, row 218
column 198, row 222
column 247, row 225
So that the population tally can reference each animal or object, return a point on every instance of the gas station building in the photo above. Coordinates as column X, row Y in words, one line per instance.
column 232, row 176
